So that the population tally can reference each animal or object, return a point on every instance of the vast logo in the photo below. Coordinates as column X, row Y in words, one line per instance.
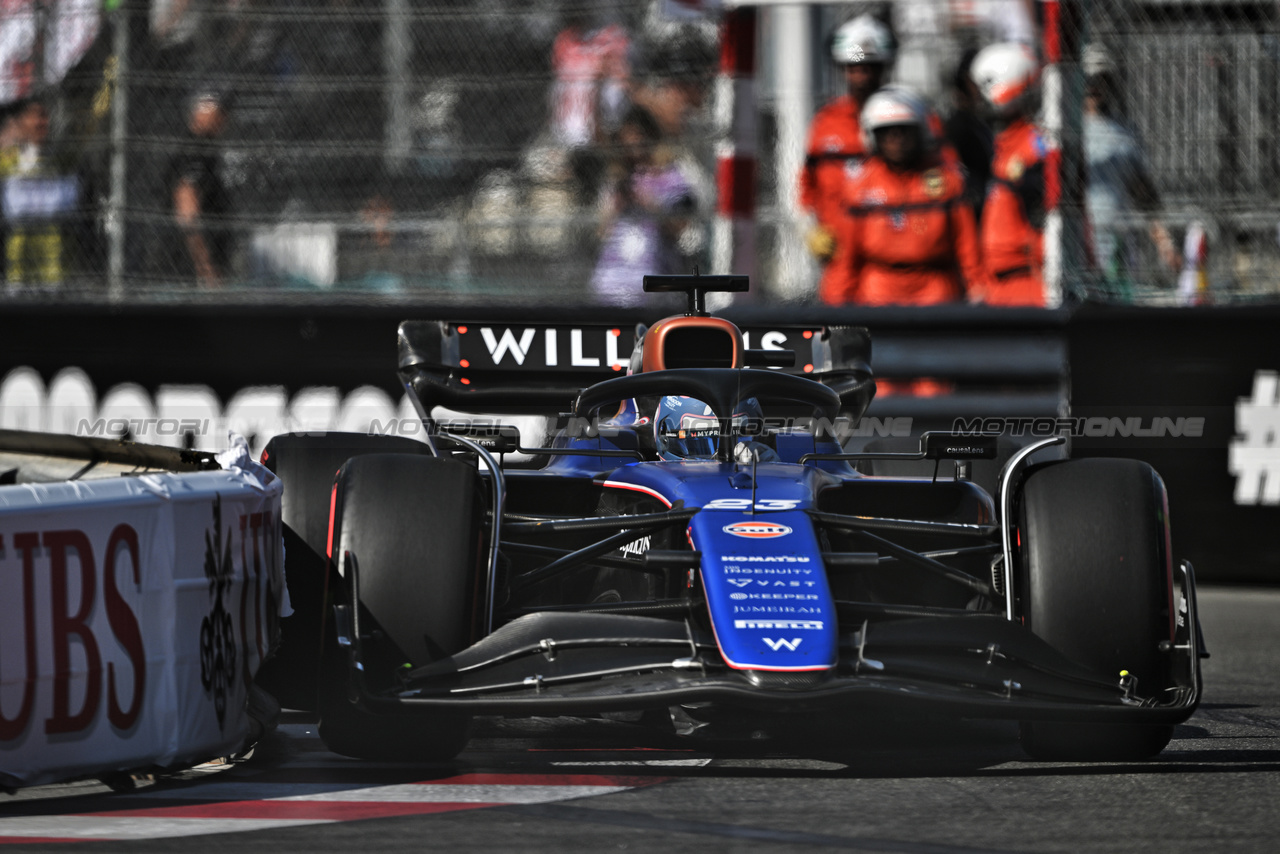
column 780, row 643
column 757, row 530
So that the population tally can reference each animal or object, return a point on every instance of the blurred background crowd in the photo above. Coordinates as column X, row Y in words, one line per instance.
column 557, row 149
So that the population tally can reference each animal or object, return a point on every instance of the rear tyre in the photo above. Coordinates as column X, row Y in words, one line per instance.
column 1095, row 586
column 414, row 525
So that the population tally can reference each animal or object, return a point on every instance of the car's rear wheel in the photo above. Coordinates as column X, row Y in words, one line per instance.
column 414, row 527
column 1095, row 586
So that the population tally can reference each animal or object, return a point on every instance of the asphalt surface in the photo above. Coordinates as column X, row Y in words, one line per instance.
column 591, row 785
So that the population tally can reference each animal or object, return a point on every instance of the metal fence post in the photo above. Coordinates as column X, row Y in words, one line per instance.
column 119, row 132
column 398, row 48
column 791, row 35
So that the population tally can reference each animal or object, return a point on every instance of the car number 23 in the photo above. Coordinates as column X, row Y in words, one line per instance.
column 745, row 503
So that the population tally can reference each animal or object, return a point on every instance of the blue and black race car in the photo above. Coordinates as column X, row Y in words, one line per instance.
column 693, row 541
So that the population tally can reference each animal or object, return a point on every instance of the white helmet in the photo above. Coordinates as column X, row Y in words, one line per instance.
column 864, row 39
column 894, row 106
column 1005, row 74
column 1095, row 60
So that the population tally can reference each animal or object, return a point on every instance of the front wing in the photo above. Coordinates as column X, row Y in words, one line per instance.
column 962, row 665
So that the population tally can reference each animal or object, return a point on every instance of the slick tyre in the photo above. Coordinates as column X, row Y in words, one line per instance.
column 1095, row 586
column 306, row 463
column 413, row 526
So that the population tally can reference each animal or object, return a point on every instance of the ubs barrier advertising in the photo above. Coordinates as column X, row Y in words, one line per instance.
column 1187, row 390
column 134, row 613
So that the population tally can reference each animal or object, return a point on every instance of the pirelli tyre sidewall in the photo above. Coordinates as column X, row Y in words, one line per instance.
column 1094, row 583
column 414, row 527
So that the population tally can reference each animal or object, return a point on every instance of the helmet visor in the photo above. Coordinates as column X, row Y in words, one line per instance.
column 686, row 429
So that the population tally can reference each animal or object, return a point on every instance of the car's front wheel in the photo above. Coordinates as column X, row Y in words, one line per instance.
column 1095, row 586
column 413, row 525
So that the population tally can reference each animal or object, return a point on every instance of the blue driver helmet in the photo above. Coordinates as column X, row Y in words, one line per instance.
column 686, row 428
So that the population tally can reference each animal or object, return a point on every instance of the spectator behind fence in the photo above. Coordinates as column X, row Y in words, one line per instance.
column 1008, row 76
column 646, row 205
column 589, row 94
column 670, row 81
column 1119, row 183
column 39, row 194
column 908, row 237
column 864, row 48
column 969, row 134
column 201, row 203
column 671, row 86
column 8, row 138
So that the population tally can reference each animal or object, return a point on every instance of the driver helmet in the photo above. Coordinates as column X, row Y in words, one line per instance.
column 685, row 428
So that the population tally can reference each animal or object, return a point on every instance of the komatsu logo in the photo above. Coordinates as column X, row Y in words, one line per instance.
column 757, row 530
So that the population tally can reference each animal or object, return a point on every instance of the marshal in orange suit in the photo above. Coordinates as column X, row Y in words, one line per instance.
column 1014, row 213
column 908, row 237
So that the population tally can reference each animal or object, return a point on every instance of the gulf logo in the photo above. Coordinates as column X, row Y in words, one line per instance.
column 757, row 530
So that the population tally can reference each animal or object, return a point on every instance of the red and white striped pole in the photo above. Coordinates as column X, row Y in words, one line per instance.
column 1050, row 36
column 1066, row 241
column 734, row 230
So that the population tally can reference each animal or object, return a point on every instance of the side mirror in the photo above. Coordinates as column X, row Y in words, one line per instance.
column 958, row 446
column 770, row 358
column 495, row 438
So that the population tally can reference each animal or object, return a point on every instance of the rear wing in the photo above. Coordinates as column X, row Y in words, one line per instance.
column 539, row 368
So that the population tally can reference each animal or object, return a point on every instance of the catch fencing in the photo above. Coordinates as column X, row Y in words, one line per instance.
column 431, row 149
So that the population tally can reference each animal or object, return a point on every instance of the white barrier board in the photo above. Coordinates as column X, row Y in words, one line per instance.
column 134, row 613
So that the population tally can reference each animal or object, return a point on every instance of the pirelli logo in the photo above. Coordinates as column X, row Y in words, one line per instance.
column 812, row 625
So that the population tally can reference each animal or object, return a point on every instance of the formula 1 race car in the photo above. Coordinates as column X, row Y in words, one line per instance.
column 692, row 541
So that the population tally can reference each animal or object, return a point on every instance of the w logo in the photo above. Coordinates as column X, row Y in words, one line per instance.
column 778, row 644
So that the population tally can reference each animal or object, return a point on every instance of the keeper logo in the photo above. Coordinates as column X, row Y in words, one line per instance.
column 1254, row 455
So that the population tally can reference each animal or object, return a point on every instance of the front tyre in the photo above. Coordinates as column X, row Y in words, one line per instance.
column 414, row 525
column 1096, row 587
